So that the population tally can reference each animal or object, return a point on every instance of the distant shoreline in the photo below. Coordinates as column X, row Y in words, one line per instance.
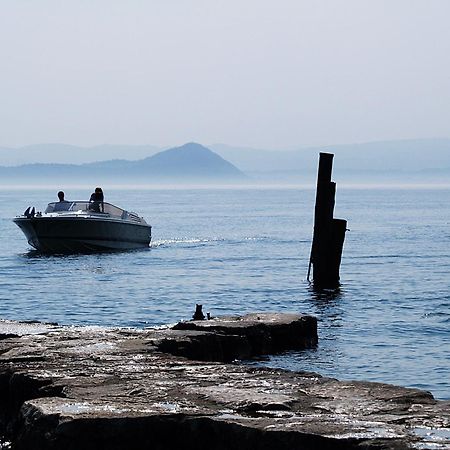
column 256, row 186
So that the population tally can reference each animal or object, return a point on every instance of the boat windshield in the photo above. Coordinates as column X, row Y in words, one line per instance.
column 96, row 207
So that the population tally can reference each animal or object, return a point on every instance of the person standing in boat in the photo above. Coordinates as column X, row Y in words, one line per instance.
column 96, row 200
column 62, row 205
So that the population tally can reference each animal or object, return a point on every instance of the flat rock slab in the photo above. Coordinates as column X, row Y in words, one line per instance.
column 96, row 388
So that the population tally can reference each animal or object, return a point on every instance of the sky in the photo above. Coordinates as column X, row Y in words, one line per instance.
column 258, row 73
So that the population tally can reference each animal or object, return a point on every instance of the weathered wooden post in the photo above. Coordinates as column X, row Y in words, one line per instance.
column 329, row 233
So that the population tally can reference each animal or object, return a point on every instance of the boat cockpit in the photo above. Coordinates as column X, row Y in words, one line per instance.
column 84, row 207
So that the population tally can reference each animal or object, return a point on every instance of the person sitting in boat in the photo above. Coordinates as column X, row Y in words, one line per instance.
column 62, row 205
column 96, row 200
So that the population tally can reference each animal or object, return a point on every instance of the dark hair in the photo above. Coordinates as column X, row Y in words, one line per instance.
column 61, row 195
column 98, row 189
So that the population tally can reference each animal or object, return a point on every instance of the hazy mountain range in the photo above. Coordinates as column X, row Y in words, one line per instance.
column 189, row 163
column 373, row 159
column 426, row 160
column 73, row 154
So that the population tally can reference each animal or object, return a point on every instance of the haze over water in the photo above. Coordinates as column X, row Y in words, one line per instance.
column 246, row 250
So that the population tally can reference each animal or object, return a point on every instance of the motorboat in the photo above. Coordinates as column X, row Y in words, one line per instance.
column 83, row 227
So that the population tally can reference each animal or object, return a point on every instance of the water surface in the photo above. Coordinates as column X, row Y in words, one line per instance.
column 246, row 250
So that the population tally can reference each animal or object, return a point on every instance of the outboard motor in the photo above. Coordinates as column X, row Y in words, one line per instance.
column 29, row 212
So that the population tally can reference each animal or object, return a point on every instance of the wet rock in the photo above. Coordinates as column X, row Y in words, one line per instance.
column 94, row 388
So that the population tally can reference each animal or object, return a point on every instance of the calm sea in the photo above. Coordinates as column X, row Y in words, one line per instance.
column 243, row 250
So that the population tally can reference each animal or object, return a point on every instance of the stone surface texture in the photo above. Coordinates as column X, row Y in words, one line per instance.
column 181, row 388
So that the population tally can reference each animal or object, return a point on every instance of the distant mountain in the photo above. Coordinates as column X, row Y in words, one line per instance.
column 189, row 163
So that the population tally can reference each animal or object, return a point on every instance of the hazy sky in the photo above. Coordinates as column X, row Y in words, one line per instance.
column 270, row 74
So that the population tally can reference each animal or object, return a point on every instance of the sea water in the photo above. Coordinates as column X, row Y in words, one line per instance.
column 244, row 250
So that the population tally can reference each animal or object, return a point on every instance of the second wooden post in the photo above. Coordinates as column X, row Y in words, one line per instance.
column 329, row 233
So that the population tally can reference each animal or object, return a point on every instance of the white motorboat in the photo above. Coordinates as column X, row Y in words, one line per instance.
column 80, row 227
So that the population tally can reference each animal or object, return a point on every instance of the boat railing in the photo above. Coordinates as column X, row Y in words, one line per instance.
column 94, row 207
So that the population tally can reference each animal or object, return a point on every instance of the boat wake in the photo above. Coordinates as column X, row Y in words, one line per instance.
column 183, row 241
column 194, row 242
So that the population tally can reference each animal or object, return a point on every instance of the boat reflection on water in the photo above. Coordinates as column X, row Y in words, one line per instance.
column 83, row 227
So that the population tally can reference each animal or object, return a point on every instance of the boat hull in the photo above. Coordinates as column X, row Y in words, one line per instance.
column 83, row 234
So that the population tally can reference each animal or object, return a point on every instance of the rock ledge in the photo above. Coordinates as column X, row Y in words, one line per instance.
column 96, row 388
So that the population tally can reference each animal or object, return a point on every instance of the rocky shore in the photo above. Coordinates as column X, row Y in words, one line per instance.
column 183, row 388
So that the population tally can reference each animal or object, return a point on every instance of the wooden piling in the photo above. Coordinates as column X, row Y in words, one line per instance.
column 329, row 233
